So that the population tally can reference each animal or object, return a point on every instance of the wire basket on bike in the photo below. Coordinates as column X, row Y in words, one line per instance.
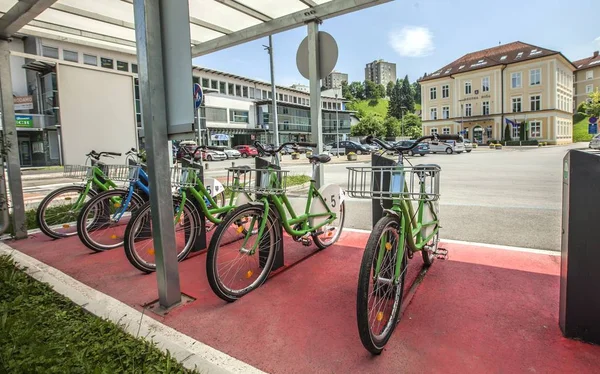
column 77, row 172
column 420, row 182
column 258, row 181
column 184, row 177
column 123, row 173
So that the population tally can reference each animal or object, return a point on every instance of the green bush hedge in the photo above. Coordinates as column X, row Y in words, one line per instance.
column 522, row 142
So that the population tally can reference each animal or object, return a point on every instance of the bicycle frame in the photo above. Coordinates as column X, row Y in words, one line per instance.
column 97, row 179
column 142, row 183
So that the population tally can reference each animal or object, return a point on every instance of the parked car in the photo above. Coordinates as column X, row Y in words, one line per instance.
column 468, row 145
column 422, row 149
column 229, row 152
column 246, row 150
column 448, row 146
column 347, row 146
column 213, row 155
column 185, row 148
column 595, row 142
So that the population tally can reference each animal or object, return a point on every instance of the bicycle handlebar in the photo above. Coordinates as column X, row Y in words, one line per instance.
column 272, row 150
column 371, row 139
column 96, row 155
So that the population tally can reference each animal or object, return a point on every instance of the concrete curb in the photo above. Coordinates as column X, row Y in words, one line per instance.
column 190, row 352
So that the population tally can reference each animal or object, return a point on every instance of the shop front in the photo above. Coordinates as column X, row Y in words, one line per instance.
column 479, row 132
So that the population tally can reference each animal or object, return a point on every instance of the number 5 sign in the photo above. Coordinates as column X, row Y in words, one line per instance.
column 334, row 197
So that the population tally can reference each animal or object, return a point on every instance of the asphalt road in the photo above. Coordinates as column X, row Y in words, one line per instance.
column 507, row 197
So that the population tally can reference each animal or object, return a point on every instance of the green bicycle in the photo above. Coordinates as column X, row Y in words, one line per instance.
column 57, row 213
column 242, row 250
column 410, row 225
column 192, row 198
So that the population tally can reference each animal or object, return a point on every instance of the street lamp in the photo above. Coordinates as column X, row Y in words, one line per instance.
column 337, row 127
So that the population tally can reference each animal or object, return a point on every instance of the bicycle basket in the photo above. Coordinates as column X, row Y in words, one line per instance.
column 125, row 173
column 184, row 177
column 420, row 182
column 77, row 172
column 258, row 181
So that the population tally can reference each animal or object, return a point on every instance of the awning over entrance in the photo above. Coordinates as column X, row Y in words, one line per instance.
column 40, row 66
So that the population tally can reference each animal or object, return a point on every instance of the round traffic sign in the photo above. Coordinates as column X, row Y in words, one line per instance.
column 593, row 119
column 198, row 95
column 328, row 55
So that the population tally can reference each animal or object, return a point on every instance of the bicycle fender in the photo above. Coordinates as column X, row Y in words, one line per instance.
column 241, row 199
column 333, row 195
column 213, row 186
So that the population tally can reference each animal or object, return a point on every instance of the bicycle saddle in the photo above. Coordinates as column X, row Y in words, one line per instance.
column 242, row 169
column 421, row 167
column 322, row 158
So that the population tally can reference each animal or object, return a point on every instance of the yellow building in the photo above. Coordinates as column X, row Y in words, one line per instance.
column 587, row 77
column 519, row 82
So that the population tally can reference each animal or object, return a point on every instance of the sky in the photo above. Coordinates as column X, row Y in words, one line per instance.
column 422, row 36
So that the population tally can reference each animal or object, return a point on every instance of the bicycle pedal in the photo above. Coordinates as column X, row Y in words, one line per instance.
column 441, row 253
column 307, row 242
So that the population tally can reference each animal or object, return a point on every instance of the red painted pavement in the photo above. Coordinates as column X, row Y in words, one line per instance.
column 482, row 310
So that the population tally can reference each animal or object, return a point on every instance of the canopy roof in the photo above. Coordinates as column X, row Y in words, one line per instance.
column 214, row 24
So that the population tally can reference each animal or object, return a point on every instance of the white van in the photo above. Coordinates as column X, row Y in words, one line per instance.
column 448, row 146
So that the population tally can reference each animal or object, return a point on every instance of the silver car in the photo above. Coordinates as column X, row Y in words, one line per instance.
column 595, row 142
column 448, row 146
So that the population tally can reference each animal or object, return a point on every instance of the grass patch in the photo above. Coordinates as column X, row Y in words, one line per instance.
column 380, row 108
column 580, row 128
column 294, row 180
column 44, row 332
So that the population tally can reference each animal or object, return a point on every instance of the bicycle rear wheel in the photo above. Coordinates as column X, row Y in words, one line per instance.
column 139, row 242
column 57, row 214
column 329, row 234
column 102, row 221
column 378, row 298
column 238, row 258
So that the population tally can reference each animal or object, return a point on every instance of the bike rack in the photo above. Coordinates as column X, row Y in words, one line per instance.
column 377, row 206
column 262, row 251
column 200, row 243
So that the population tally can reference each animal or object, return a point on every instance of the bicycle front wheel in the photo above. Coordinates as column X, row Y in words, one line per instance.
column 102, row 221
column 57, row 213
column 240, row 257
column 379, row 297
column 139, row 242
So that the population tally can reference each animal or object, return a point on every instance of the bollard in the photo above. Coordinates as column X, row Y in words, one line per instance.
column 232, row 164
column 206, row 166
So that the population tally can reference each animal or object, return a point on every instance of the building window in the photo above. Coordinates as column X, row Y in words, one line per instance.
column 51, row 52
column 222, row 88
column 589, row 74
column 107, row 63
column 515, row 79
column 433, row 131
column 535, row 129
column 230, row 89
column 238, row 116
column 515, row 132
column 446, row 131
column 516, row 104
column 205, row 82
column 134, row 68
column 238, row 90
column 295, row 100
column 445, row 112
column 270, row 95
column 485, row 108
column 264, row 94
column 70, row 56
column 485, row 84
column 433, row 93
column 138, row 104
column 280, row 98
column 90, row 60
column 536, row 102
column 467, row 88
column 214, row 84
column 468, row 111
column 245, row 91
column 535, row 77
column 251, row 92
column 445, row 91
column 433, row 113
column 215, row 114
column 285, row 98
column 589, row 88
column 123, row 66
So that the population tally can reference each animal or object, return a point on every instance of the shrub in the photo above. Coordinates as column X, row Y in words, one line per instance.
column 522, row 142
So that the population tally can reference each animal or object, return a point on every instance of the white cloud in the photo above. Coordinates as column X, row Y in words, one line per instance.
column 597, row 41
column 412, row 41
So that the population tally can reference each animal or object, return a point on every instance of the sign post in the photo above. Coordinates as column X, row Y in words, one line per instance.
column 198, row 97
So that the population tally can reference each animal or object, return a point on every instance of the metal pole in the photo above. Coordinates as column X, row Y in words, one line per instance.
column 149, row 34
column 337, row 127
column 315, row 93
column 273, row 93
column 11, row 143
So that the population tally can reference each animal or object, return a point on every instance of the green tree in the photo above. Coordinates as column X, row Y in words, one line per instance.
column 346, row 92
column 389, row 89
column 380, row 92
column 370, row 124
column 407, row 98
column 411, row 125
column 357, row 90
column 395, row 105
column 392, row 126
column 592, row 107
column 371, row 90
column 416, row 89
column 507, row 133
